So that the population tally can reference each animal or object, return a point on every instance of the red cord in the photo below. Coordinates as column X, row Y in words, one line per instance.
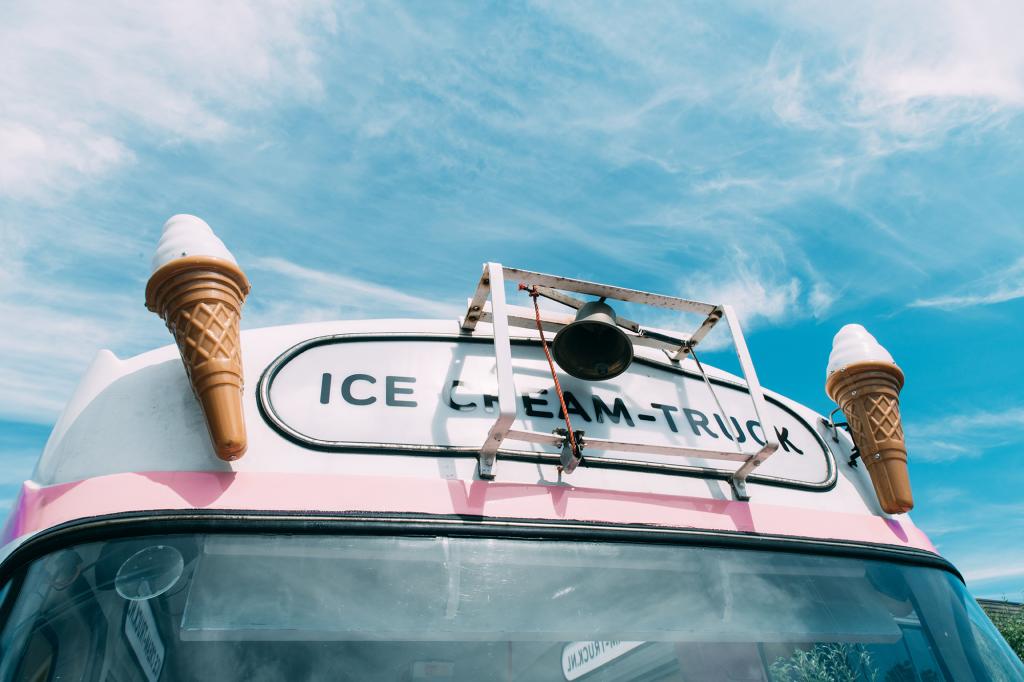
column 551, row 363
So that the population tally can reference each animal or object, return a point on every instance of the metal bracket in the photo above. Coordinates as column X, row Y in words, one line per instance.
column 833, row 427
column 706, row 326
column 525, row 318
column 739, row 488
column 493, row 281
column 830, row 422
column 771, row 442
column 570, row 460
column 492, row 286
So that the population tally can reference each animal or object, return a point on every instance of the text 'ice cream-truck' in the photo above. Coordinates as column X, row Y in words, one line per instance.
column 530, row 492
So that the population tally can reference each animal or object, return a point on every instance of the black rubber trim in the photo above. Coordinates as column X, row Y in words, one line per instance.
column 274, row 420
column 177, row 522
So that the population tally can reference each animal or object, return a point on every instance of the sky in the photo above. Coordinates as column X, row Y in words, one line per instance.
column 812, row 164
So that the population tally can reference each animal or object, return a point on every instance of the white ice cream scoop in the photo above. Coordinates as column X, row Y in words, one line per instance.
column 186, row 235
column 853, row 343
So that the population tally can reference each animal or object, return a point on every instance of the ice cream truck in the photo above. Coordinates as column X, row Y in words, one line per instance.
column 541, row 489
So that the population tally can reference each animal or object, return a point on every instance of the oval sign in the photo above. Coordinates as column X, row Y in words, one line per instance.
column 439, row 394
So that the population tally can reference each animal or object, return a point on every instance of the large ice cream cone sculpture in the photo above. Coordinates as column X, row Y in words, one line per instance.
column 198, row 289
column 865, row 382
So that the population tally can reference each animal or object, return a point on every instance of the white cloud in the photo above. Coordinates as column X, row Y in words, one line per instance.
column 38, row 162
column 761, row 289
column 956, row 49
column 912, row 73
column 56, row 327
column 803, row 113
column 998, row 287
column 943, row 494
column 755, row 296
column 950, row 302
column 83, row 88
column 966, row 422
column 888, row 77
column 78, row 78
column 979, row 535
column 1012, row 568
column 49, row 342
column 986, row 552
column 296, row 293
column 55, row 319
column 789, row 92
column 821, row 298
column 965, row 435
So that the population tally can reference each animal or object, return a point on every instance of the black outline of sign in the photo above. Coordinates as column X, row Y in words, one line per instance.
column 274, row 420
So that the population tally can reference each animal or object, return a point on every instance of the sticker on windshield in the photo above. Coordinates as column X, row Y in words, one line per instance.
column 580, row 658
column 140, row 629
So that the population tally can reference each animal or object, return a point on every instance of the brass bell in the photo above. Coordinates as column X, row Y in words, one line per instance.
column 593, row 347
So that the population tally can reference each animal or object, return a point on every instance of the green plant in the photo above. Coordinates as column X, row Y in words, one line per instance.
column 1012, row 629
column 825, row 663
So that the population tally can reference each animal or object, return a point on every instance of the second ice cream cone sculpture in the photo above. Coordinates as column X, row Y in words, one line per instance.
column 865, row 382
column 198, row 289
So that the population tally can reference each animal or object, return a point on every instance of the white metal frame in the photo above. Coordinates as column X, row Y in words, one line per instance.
column 492, row 288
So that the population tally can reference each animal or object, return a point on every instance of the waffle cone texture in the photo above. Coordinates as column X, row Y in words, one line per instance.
column 200, row 298
column 869, row 395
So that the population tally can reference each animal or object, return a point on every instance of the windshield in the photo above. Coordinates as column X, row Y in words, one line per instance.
column 278, row 607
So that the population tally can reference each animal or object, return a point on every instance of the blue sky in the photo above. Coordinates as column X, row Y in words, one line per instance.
column 812, row 165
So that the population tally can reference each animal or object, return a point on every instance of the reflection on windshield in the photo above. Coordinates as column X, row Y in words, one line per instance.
column 262, row 607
